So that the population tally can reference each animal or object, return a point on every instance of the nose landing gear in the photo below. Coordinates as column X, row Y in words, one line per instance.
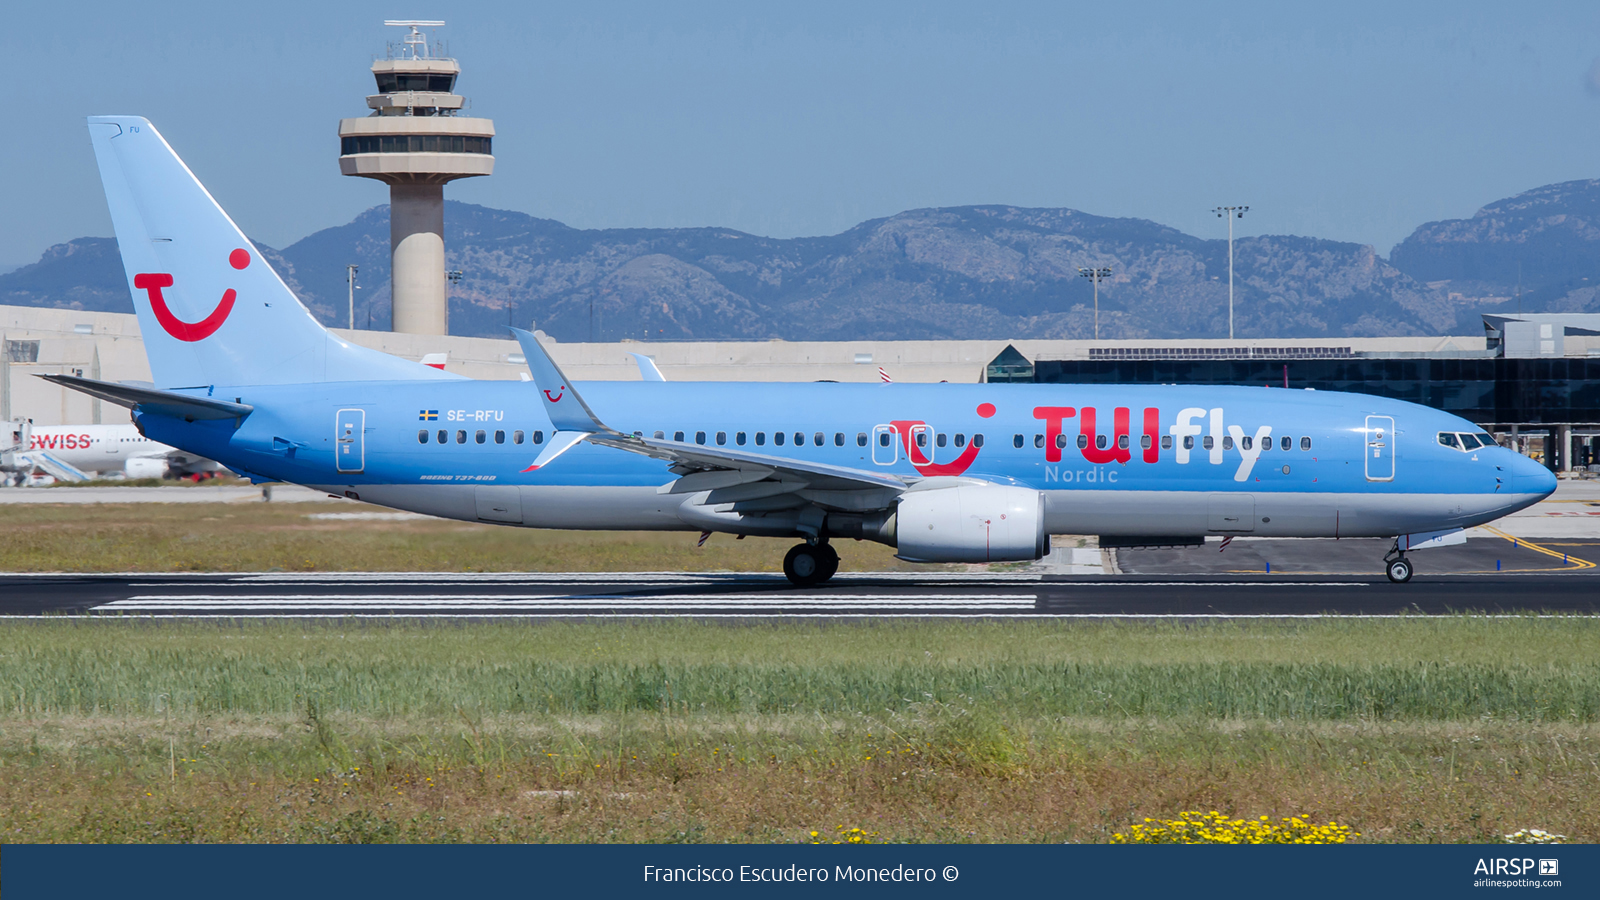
column 1396, row 566
column 809, row 564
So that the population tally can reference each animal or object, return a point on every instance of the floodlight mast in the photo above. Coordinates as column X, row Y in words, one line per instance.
column 1095, row 275
column 1230, row 213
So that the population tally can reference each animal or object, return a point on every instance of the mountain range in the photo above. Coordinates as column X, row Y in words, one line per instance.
column 961, row 272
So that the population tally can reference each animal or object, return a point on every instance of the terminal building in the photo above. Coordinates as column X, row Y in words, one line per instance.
column 1533, row 381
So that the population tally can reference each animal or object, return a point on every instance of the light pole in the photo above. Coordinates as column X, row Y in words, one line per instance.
column 1230, row 213
column 350, row 276
column 1095, row 275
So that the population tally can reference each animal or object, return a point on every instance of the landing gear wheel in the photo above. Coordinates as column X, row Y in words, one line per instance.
column 1399, row 570
column 805, row 565
column 830, row 559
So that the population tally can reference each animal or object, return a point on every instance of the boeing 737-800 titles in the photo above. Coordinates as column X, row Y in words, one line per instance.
column 941, row 472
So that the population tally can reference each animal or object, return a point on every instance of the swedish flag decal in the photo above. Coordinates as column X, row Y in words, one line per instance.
column 428, row 415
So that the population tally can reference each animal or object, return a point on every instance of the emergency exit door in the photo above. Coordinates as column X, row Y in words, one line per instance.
column 350, row 443
column 1380, row 448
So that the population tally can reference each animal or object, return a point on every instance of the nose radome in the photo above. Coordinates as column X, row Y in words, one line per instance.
column 1531, row 477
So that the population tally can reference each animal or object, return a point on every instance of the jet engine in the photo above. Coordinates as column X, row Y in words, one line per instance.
column 972, row 523
column 146, row 467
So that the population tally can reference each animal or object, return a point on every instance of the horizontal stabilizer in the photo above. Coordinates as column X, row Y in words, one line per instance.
column 154, row 400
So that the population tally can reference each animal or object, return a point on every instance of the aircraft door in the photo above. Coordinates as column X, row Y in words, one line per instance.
column 1380, row 448
column 885, row 445
column 350, row 442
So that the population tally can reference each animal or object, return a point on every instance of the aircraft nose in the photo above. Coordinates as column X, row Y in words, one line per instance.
column 1531, row 477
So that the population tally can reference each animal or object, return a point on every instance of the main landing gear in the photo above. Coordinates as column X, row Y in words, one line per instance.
column 809, row 564
column 1396, row 566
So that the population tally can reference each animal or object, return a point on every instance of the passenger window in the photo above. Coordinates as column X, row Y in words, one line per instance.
column 1247, row 442
column 461, row 437
column 1449, row 440
column 1122, row 442
column 861, row 439
column 699, row 437
column 1100, row 441
column 777, row 438
column 444, row 436
column 422, row 436
column 961, row 439
column 922, row 439
column 1305, row 443
column 677, row 436
column 538, row 437
column 838, row 439
column 722, row 438
column 1166, row 442
column 1061, row 441
column 1016, row 440
column 1083, row 442
column 883, row 439
column 1286, row 444
column 1208, row 442
column 977, row 441
column 1144, row 442
column 1227, row 443
column 516, row 437
column 799, row 438
column 761, row 439
column 660, row 435
column 738, row 438
column 818, row 439
column 499, row 437
column 1038, row 440
column 481, row 436
column 939, row 441
column 1188, row 441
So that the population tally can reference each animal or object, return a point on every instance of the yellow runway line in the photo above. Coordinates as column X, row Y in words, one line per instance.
column 1571, row 560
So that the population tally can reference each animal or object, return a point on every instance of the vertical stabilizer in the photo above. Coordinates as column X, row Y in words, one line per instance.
column 211, row 310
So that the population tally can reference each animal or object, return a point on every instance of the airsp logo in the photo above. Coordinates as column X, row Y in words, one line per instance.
column 1503, row 866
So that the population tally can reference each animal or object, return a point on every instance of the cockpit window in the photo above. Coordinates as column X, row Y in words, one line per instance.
column 1465, row 441
column 1469, row 442
column 1449, row 440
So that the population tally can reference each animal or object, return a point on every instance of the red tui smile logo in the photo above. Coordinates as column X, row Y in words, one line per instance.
column 152, row 283
column 560, row 392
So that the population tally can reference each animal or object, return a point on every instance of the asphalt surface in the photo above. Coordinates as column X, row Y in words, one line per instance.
column 568, row 596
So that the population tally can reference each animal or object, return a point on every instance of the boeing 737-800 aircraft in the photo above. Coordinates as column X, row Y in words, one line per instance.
column 942, row 472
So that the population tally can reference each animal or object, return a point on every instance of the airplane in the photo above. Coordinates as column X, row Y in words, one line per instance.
column 943, row 473
column 95, row 449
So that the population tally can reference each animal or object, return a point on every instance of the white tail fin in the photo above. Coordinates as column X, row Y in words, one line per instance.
column 210, row 308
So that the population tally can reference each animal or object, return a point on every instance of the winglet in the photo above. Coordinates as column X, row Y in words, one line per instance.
column 566, row 409
column 560, row 442
column 647, row 367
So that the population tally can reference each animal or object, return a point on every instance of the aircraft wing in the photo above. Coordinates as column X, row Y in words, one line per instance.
column 732, row 475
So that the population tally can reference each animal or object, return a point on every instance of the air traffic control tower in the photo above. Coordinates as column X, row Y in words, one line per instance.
column 415, row 140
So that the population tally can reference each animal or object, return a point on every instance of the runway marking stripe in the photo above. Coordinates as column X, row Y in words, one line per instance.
column 1413, row 615
column 581, row 598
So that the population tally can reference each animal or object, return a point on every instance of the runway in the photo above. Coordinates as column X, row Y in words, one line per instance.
column 718, row 596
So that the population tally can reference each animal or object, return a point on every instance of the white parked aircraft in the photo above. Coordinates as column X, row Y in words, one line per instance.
column 80, row 450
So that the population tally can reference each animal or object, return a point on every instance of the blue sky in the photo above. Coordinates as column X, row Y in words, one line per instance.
column 1355, row 122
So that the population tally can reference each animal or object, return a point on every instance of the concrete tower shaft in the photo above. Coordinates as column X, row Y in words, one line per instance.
column 415, row 141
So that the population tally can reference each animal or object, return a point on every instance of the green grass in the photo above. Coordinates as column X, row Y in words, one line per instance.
column 252, row 536
column 1534, row 670
column 1426, row 729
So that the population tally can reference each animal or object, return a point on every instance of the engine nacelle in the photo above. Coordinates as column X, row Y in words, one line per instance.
column 972, row 523
column 145, row 467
